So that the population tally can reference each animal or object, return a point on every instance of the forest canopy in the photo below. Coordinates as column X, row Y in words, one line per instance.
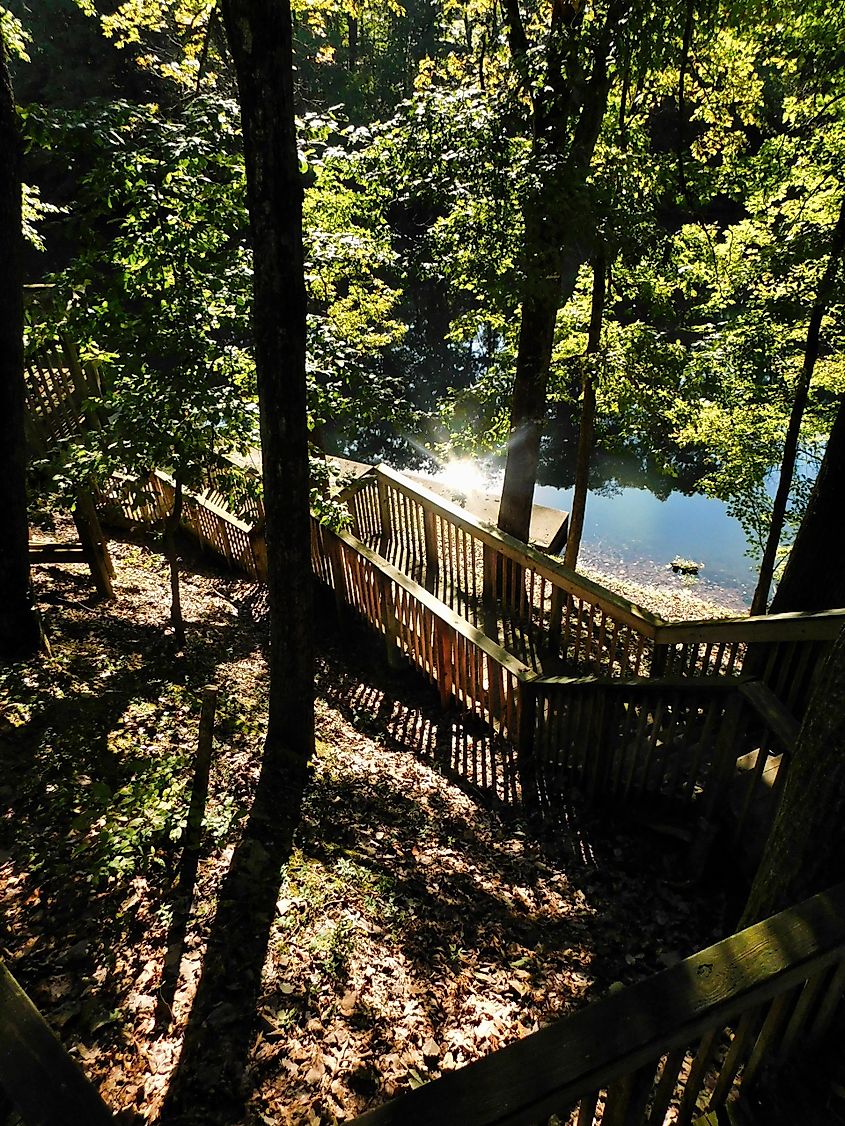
column 709, row 195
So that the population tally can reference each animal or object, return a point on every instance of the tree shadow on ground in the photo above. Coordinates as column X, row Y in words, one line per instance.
column 208, row 1083
column 71, row 919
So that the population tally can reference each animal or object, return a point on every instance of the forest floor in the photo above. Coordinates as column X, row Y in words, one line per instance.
column 416, row 926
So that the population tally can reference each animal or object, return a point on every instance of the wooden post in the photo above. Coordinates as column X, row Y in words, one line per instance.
column 526, row 763
column 659, row 659
column 335, row 554
column 258, row 546
column 384, row 510
column 557, row 602
column 432, row 558
column 388, row 618
column 94, row 545
column 354, row 526
column 444, row 661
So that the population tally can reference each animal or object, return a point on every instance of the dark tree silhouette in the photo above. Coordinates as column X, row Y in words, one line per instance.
column 19, row 630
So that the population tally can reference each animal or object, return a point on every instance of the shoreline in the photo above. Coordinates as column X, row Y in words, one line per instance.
column 658, row 589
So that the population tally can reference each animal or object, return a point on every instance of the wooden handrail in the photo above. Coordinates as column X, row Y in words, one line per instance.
column 521, row 553
column 41, row 1079
column 822, row 626
column 669, row 683
column 778, row 719
column 460, row 625
column 624, row 1035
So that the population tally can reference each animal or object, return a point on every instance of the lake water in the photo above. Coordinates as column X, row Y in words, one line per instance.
column 633, row 530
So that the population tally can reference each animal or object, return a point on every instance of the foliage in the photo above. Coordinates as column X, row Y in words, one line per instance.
column 160, row 291
column 13, row 34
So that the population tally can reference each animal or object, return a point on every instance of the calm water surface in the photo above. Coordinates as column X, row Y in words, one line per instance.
column 643, row 533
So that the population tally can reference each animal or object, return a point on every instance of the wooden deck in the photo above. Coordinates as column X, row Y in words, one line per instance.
column 575, row 687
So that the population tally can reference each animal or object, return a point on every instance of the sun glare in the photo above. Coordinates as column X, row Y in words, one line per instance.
column 464, row 476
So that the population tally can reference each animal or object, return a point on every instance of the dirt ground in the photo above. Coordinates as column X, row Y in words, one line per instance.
column 414, row 926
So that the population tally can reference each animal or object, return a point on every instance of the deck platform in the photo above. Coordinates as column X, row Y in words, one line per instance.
column 548, row 525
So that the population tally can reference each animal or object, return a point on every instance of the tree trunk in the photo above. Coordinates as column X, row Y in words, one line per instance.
column 802, row 390
column 587, row 428
column 352, row 50
column 20, row 634
column 559, row 227
column 805, row 852
column 171, row 527
column 259, row 33
column 548, row 284
column 814, row 577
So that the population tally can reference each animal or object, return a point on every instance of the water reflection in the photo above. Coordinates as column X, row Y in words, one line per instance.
column 638, row 518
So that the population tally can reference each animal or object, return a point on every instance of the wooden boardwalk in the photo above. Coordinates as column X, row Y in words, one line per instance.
column 579, row 688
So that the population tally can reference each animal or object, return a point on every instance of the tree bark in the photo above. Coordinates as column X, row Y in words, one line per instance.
column 20, row 634
column 171, row 527
column 805, row 852
column 210, row 1080
column 814, row 576
column 802, row 390
column 559, row 231
column 587, row 428
column 259, row 33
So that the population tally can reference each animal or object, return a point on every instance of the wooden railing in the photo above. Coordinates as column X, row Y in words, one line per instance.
column 44, row 1083
column 693, row 1037
column 666, row 746
column 686, row 752
column 58, row 383
column 125, row 500
column 479, row 675
column 558, row 621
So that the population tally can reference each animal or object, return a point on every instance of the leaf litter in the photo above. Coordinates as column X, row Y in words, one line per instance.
column 418, row 925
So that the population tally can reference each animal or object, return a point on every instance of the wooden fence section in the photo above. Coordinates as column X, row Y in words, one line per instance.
column 556, row 620
column 58, row 387
column 125, row 501
column 666, row 746
column 703, row 1033
column 545, row 613
column 40, row 1078
column 686, row 752
column 467, row 668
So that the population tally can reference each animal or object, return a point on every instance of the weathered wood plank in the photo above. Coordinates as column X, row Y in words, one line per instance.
column 42, row 1080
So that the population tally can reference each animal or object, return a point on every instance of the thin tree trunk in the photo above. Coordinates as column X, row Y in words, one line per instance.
column 352, row 50
column 790, row 448
column 20, row 634
column 171, row 527
column 814, row 576
column 263, row 63
column 587, row 428
column 805, row 852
